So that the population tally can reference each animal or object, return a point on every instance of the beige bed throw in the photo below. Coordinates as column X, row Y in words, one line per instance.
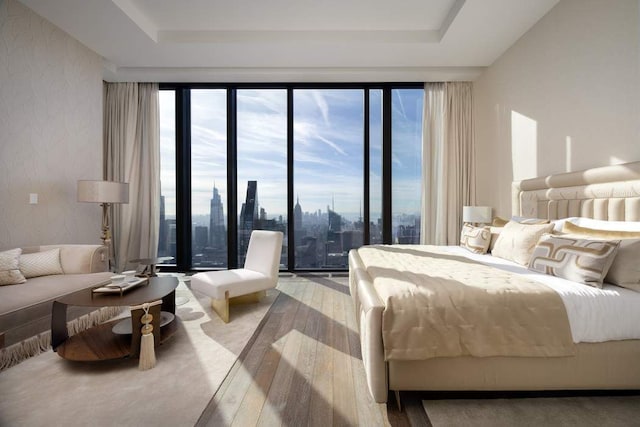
column 444, row 305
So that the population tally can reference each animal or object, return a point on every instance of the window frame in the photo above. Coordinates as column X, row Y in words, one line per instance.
column 183, row 261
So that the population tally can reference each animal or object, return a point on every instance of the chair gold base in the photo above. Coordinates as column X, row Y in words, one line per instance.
column 221, row 306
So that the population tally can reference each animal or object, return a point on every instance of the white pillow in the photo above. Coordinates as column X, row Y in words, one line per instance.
column 9, row 267
column 606, row 225
column 529, row 220
column 45, row 263
column 517, row 241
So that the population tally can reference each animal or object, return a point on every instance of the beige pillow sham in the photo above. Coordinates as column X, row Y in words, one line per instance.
column 516, row 241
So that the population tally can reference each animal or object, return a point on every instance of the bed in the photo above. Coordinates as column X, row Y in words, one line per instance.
column 600, row 354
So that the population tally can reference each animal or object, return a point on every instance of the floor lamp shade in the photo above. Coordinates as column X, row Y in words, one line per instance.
column 106, row 193
column 476, row 214
column 103, row 192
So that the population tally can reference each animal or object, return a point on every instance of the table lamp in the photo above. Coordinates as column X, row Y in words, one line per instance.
column 476, row 214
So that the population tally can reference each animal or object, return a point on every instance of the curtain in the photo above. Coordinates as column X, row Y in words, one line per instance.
column 448, row 161
column 132, row 155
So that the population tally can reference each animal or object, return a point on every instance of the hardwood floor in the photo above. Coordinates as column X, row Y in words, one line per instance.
column 304, row 367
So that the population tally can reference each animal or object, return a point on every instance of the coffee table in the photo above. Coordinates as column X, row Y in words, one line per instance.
column 99, row 342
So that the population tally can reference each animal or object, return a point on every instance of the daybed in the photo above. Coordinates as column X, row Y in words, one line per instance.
column 25, row 308
column 584, row 338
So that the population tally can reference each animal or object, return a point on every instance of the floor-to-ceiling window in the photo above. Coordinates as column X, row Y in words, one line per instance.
column 327, row 175
column 406, row 137
column 375, row 166
column 262, row 165
column 167, row 232
column 312, row 161
column 208, row 177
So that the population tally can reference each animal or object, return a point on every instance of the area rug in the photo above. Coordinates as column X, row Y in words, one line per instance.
column 539, row 411
column 190, row 367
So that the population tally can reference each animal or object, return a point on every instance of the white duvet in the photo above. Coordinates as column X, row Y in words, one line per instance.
column 595, row 315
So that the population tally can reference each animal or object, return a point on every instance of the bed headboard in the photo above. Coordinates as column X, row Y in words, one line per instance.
column 609, row 193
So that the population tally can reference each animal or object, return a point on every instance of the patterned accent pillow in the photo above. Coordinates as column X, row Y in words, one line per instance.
column 9, row 267
column 475, row 239
column 579, row 260
column 45, row 263
column 625, row 269
column 516, row 241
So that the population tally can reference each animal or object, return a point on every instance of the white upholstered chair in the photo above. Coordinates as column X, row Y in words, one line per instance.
column 248, row 284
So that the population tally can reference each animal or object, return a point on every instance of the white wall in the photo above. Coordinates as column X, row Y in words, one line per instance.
column 565, row 97
column 50, row 131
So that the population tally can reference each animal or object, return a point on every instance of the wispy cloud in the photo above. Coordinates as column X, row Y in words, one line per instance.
column 328, row 152
column 321, row 103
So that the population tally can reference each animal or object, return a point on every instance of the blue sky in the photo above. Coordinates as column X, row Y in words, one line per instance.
column 328, row 144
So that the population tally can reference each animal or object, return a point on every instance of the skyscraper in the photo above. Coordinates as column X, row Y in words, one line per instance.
column 248, row 217
column 249, row 210
column 217, row 230
column 297, row 221
column 162, row 237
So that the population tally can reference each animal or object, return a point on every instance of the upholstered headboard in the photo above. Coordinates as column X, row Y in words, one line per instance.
column 608, row 193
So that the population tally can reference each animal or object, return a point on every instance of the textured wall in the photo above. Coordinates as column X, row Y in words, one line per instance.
column 565, row 97
column 50, row 131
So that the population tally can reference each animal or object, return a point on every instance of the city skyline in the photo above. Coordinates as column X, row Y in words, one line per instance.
column 322, row 238
column 328, row 154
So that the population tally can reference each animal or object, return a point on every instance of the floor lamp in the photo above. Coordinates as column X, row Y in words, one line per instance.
column 106, row 193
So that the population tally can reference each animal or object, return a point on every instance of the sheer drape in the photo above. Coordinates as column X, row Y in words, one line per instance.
column 448, row 161
column 132, row 154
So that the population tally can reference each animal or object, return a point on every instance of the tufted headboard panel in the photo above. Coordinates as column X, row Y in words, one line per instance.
column 609, row 193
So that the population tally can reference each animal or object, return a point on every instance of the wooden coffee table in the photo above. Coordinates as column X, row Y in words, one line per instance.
column 100, row 342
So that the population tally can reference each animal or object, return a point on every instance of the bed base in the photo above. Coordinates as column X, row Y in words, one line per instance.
column 596, row 366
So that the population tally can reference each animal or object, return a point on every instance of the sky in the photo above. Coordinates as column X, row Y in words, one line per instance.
column 328, row 148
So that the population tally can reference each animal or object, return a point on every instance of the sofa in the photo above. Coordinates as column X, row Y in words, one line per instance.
column 49, row 272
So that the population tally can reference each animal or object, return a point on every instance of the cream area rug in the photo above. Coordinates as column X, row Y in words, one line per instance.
column 191, row 365
column 539, row 411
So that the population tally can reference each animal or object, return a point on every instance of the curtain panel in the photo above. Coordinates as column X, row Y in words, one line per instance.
column 448, row 161
column 132, row 155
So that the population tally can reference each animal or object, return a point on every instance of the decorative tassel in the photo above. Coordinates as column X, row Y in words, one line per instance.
column 147, row 350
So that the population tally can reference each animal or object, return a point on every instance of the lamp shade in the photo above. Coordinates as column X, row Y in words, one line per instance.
column 103, row 192
column 479, row 214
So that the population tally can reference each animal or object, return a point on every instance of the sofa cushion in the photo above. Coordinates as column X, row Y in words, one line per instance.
column 46, row 288
column 10, row 267
column 43, row 263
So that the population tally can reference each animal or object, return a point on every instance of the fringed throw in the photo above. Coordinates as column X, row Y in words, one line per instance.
column 35, row 345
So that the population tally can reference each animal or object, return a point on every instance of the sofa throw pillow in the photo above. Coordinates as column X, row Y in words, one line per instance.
column 45, row 263
column 516, row 241
column 579, row 260
column 475, row 239
column 10, row 267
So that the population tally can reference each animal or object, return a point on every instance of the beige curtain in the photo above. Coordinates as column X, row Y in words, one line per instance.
column 132, row 154
column 448, row 161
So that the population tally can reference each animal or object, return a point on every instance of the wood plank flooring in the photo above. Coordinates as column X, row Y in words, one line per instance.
column 304, row 367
